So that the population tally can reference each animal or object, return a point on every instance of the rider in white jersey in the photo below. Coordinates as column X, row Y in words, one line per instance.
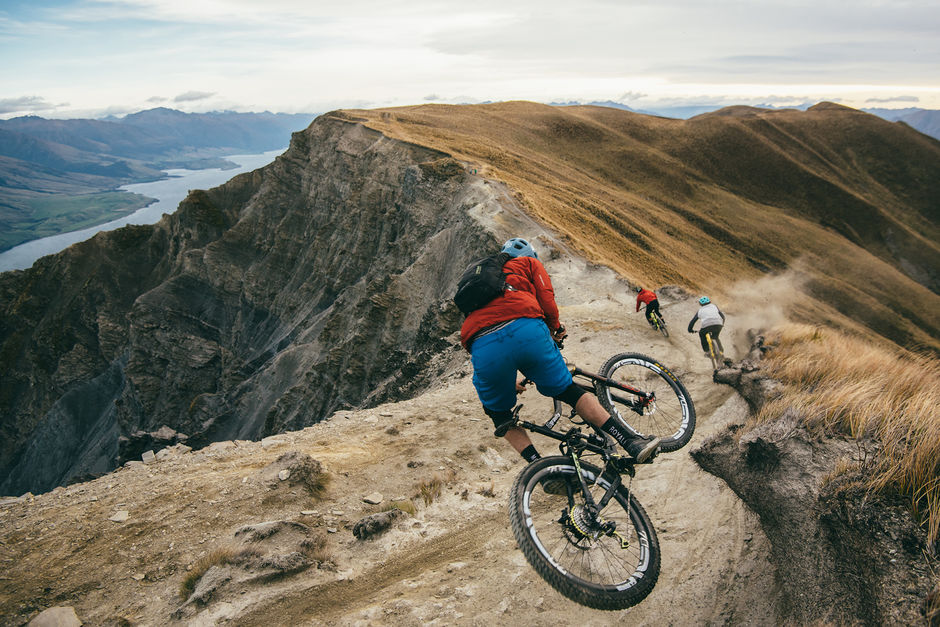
column 712, row 320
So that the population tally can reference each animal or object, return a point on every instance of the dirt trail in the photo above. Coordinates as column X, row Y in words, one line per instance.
column 715, row 567
column 453, row 562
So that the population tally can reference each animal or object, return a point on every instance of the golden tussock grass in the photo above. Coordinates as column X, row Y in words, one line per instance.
column 406, row 506
column 429, row 489
column 842, row 384
column 739, row 193
column 216, row 557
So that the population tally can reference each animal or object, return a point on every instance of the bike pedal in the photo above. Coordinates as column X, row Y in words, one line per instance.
column 622, row 463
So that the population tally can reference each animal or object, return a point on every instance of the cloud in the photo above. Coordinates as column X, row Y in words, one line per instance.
column 156, row 99
column 27, row 103
column 894, row 99
column 192, row 96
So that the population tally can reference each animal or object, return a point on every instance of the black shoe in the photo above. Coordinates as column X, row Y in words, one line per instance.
column 643, row 449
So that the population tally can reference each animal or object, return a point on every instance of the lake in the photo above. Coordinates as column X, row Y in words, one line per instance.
column 168, row 192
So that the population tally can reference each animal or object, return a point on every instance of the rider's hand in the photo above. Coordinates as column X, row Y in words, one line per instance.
column 560, row 333
column 520, row 385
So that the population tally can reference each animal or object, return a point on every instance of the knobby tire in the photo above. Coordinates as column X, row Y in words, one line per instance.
column 671, row 418
column 597, row 572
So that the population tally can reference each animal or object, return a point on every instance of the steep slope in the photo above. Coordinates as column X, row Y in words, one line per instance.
column 313, row 284
column 847, row 197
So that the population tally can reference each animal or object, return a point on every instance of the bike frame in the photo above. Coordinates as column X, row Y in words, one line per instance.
column 657, row 321
column 644, row 398
column 711, row 351
column 638, row 404
column 573, row 445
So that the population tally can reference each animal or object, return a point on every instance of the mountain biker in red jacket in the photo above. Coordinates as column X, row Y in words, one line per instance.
column 652, row 303
column 516, row 332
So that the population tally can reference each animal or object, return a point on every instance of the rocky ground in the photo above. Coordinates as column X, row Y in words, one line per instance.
column 119, row 548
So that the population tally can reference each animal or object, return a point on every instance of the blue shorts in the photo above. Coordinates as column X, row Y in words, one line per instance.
column 524, row 345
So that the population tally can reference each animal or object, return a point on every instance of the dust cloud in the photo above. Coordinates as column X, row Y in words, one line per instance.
column 763, row 303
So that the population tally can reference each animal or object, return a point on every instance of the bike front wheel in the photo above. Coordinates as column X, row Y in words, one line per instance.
column 608, row 561
column 670, row 416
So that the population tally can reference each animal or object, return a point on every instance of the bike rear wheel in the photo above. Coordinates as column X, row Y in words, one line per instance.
column 661, row 325
column 569, row 549
column 671, row 416
column 714, row 353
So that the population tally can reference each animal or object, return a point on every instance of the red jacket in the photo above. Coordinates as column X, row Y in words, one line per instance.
column 532, row 296
column 645, row 296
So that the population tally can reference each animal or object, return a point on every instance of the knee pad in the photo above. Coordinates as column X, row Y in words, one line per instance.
column 503, row 421
column 571, row 395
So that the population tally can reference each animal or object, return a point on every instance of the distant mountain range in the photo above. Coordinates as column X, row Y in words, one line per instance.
column 927, row 121
column 48, row 167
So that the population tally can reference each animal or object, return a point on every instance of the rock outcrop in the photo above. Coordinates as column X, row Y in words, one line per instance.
column 319, row 282
column 842, row 555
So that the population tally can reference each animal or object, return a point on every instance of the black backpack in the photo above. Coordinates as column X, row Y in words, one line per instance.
column 481, row 282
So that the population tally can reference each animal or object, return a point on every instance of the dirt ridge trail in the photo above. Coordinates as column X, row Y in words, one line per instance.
column 333, row 600
column 454, row 562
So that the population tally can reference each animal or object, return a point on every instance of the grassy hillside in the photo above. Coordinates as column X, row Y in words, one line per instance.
column 839, row 384
column 845, row 200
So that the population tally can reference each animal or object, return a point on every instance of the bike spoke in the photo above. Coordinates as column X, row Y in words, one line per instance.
column 597, row 558
column 666, row 412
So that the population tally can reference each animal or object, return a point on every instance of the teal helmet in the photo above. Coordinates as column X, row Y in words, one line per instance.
column 704, row 300
column 518, row 247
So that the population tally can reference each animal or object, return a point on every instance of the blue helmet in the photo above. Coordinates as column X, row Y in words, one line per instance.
column 704, row 300
column 518, row 247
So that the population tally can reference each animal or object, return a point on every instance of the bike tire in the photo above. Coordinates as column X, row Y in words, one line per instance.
column 672, row 418
column 597, row 572
column 662, row 328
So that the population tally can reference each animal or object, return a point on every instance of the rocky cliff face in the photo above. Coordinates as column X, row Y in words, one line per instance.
column 840, row 554
column 319, row 282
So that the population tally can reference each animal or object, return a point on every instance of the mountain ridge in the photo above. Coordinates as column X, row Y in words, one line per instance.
column 779, row 172
column 262, row 280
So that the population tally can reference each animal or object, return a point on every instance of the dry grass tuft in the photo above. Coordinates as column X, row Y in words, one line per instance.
column 317, row 484
column 841, row 384
column 317, row 549
column 488, row 491
column 429, row 489
column 406, row 506
column 216, row 557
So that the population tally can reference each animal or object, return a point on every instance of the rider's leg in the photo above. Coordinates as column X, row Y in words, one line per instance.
column 714, row 330
column 519, row 440
column 589, row 408
column 494, row 377
column 701, row 336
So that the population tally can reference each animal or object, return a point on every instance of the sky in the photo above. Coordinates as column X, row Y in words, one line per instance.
column 91, row 58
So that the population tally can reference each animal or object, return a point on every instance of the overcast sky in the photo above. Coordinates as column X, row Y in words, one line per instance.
column 85, row 58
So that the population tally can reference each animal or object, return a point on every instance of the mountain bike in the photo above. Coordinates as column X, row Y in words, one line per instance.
column 577, row 524
column 658, row 323
column 580, row 527
column 714, row 352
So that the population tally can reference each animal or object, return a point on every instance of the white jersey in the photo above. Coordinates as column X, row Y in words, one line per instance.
column 710, row 316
